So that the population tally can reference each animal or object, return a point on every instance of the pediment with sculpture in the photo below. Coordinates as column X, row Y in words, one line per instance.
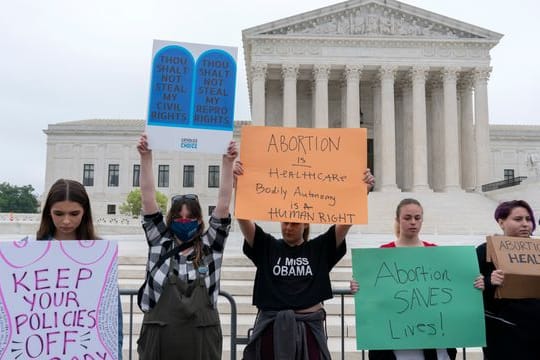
column 373, row 20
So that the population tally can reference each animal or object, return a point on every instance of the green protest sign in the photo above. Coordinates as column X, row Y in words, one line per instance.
column 417, row 298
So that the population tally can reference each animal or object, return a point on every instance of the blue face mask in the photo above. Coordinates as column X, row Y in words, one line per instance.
column 184, row 230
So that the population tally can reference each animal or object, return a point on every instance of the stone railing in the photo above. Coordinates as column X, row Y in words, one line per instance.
column 117, row 220
column 15, row 223
column 20, row 218
column 99, row 220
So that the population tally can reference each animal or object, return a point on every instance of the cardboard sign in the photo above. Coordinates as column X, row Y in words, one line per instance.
column 303, row 175
column 192, row 91
column 519, row 258
column 58, row 300
column 417, row 298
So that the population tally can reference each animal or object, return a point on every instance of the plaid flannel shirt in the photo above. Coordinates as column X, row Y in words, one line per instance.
column 160, row 240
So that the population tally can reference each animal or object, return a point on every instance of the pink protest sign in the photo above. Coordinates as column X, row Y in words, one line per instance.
column 58, row 300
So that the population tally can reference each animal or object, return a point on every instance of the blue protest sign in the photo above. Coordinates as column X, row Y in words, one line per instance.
column 214, row 86
column 171, row 87
column 192, row 93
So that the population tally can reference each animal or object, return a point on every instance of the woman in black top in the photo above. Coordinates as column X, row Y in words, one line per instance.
column 511, row 324
column 292, row 280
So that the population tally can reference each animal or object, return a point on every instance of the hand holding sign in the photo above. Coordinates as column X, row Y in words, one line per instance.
column 497, row 277
column 517, row 261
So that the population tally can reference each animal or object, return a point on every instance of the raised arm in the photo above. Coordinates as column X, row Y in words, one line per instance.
column 146, row 180
column 226, row 183
column 246, row 226
column 342, row 230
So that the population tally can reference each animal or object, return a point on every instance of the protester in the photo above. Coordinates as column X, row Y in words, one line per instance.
column 511, row 324
column 179, row 297
column 290, row 322
column 67, row 215
column 408, row 223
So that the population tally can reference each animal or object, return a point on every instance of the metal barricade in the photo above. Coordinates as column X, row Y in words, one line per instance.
column 242, row 340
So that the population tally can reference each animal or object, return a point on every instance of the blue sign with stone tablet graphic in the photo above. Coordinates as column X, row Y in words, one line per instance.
column 192, row 94
column 215, row 83
column 171, row 87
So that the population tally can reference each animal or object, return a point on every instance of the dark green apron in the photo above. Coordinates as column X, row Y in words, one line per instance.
column 183, row 325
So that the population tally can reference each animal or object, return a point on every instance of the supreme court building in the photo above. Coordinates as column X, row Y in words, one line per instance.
column 416, row 80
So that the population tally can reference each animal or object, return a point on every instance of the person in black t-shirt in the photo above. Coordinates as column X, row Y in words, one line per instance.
column 511, row 324
column 291, row 282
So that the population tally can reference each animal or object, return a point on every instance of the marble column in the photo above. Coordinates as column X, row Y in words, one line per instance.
column 343, row 107
column 437, row 134
column 388, row 129
column 320, row 75
column 290, row 74
column 451, row 130
column 481, row 126
column 313, row 103
column 352, row 76
column 419, row 129
column 377, row 138
column 258, row 96
column 407, row 136
column 468, row 152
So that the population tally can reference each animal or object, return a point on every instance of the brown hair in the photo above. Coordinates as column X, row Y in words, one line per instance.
column 305, row 234
column 195, row 211
column 402, row 203
column 67, row 190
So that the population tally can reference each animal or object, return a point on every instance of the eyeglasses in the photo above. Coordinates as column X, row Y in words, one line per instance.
column 177, row 198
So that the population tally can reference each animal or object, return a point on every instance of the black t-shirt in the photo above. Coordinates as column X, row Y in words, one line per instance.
column 294, row 277
column 523, row 312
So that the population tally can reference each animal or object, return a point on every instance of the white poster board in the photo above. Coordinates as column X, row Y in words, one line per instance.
column 58, row 300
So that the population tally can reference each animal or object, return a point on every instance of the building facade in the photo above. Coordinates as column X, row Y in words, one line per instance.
column 416, row 80
column 102, row 155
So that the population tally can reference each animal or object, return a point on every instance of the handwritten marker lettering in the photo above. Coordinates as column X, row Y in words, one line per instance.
column 303, row 144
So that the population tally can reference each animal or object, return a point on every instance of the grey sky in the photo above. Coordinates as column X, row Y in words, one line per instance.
column 68, row 60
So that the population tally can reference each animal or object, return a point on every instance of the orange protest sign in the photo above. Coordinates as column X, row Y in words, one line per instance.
column 303, row 175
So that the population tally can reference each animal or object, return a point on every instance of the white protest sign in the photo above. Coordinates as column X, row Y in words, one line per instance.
column 58, row 300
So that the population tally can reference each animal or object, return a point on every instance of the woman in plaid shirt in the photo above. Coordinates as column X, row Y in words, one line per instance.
column 179, row 297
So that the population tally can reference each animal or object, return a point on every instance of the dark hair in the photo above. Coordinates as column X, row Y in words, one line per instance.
column 305, row 234
column 67, row 190
column 505, row 208
column 195, row 211
column 402, row 203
